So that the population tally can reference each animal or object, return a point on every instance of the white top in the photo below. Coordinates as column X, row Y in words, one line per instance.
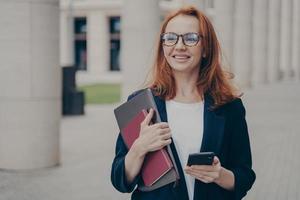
column 186, row 124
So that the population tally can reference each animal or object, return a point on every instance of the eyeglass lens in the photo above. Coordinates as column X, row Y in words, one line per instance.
column 189, row 39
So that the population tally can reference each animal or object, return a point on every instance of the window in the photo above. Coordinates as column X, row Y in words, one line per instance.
column 80, row 43
column 115, row 30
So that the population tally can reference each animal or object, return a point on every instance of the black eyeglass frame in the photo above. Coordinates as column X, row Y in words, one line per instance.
column 182, row 37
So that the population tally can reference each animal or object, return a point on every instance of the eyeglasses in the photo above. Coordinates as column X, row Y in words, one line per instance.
column 188, row 39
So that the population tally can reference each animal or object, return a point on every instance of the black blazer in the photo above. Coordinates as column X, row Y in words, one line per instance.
column 225, row 133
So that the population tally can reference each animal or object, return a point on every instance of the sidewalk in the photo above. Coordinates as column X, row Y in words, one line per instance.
column 274, row 123
column 87, row 149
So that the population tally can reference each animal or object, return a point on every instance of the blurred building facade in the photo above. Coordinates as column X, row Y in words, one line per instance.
column 91, row 35
column 260, row 38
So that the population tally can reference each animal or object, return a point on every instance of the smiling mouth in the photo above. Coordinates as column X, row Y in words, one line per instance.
column 181, row 57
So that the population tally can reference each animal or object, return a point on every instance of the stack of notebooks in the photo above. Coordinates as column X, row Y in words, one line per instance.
column 158, row 168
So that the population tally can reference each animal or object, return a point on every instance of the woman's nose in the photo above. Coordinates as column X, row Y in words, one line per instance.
column 180, row 44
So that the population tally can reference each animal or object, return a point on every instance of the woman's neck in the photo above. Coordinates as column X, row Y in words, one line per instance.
column 186, row 89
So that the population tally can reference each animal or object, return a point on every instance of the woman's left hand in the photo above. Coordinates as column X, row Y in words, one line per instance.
column 206, row 173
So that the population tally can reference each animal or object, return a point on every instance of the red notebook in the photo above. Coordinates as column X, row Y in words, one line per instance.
column 156, row 164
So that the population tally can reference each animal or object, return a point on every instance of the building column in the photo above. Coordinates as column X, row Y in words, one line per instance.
column 223, row 22
column 296, row 39
column 242, row 43
column 273, row 41
column 97, row 43
column 30, row 84
column 260, row 50
column 66, row 38
column 138, row 37
column 285, row 38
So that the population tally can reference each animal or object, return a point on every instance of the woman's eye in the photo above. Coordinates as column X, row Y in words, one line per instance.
column 191, row 38
column 171, row 38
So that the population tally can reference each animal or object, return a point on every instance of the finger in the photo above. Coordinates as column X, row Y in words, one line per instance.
column 216, row 160
column 166, row 142
column 166, row 136
column 161, row 125
column 160, row 145
column 148, row 118
column 194, row 174
column 187, row 170
column 208, row 168
column 212, row 175
column 207, row 179
column 164, row 131
column 203, row 178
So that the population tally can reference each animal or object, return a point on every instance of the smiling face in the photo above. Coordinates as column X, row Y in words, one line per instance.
column 180, row 57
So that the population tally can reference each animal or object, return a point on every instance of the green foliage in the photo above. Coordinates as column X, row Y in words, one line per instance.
column 101, row 93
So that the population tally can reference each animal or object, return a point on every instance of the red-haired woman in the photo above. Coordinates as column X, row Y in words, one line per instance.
column 200, row 111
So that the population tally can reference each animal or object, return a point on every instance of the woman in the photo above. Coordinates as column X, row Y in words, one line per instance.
column 200, row 111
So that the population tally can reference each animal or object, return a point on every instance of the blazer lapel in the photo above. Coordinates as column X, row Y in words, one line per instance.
column 213, row 128
column 161, row 107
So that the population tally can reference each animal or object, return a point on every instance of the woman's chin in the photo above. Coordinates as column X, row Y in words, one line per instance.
column 182, row 67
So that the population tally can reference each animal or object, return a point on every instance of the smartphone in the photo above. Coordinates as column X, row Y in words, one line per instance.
column 202, row 158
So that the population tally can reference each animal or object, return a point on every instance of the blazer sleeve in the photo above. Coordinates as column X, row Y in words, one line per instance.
column 241, row 159
column 118, row 176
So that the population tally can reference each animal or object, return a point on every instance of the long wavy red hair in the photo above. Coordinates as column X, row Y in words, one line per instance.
column 212, row 80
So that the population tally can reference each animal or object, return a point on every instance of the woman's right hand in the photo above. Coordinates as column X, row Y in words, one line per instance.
column 152, row 136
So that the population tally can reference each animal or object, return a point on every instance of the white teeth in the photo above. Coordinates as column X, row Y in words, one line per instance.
column 181, row 57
